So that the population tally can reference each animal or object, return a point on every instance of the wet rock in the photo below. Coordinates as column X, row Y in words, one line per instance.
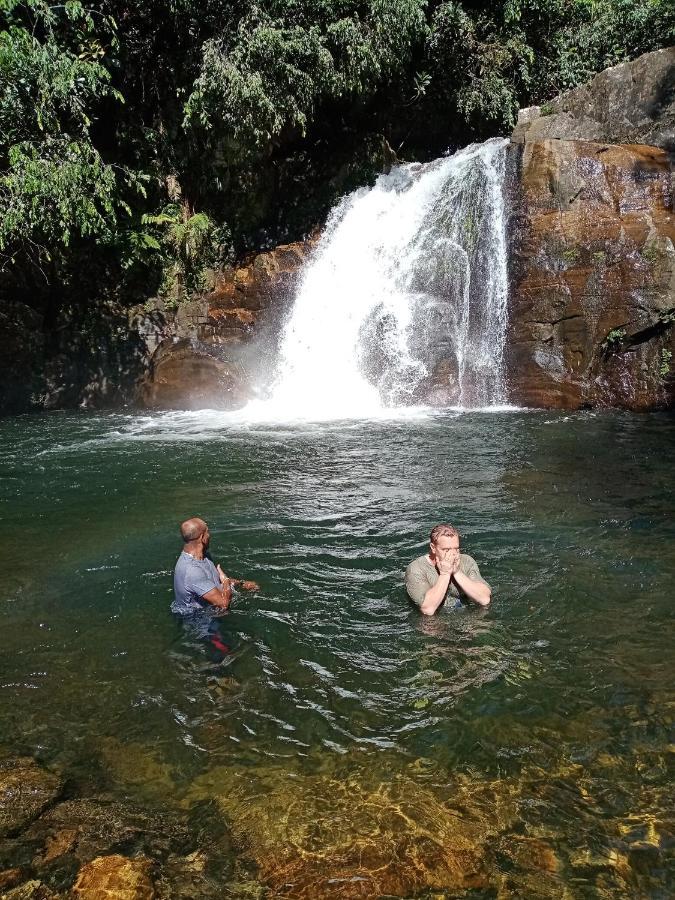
column 115, row 878
column 78, row 830
column 26, row 790
column 185, row 375
column 30, row 890
column 10, row 877
column 530, row 854
column 593, row 293
column 644, row 857
column 218, row 350
column 60, row 842
column 631, row 103
column 347, row 834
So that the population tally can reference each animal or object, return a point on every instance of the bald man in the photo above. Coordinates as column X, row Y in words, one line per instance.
column 197, row 583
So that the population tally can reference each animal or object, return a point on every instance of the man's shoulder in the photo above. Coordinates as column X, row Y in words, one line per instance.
column 186, row 561
column 466, row 559
column 421, row 564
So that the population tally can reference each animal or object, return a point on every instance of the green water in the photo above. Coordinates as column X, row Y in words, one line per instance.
column 355, row 748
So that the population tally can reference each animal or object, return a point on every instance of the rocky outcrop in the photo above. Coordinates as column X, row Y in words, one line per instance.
column 218, row 350
column 593, row 260
column 632, row 103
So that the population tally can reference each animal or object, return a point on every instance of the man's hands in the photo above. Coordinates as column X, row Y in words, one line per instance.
column 447, row 562
column 244, row 584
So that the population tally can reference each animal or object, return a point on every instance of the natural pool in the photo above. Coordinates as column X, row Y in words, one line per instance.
column 346, row 746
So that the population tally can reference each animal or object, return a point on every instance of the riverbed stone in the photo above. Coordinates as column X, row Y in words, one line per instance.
column 593, row 278
column 347, row 834
column 30, row 890
column 26, row 789
column 10, row 878
column 115, row 878
column 89, row 827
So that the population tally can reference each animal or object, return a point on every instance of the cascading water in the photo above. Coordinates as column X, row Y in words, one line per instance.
column 405, row 300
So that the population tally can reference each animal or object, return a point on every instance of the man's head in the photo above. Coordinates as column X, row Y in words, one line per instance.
column 195, row 531
column 442, row 540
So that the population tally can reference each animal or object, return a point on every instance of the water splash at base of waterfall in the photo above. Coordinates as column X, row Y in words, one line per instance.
column 405, row 300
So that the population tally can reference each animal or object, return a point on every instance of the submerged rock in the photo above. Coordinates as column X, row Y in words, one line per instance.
column 136, row 765
column 348, row 834
column 86, row 828
column 26, row 790
column 30, row 890
column 115, row 878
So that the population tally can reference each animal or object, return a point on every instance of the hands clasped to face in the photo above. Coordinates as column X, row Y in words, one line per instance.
column 445, row 555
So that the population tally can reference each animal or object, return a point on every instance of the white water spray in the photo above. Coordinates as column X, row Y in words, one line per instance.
column 405, row 300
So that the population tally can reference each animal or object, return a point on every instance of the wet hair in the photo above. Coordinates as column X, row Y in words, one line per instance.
column 442, row 531
column 192, row 529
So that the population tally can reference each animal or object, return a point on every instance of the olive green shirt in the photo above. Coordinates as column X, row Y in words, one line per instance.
column 422, row 575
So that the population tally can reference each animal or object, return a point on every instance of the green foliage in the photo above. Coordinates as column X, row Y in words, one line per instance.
column 268, row 79
column 54, row 183
column 188, row 243
column 664, row 368
column 570, row 255
column 614, row 339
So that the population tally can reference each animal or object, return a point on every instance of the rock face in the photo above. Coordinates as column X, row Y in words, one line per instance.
column 632, row 103
column 220, row 350
column 593, row 264
column 593, row 243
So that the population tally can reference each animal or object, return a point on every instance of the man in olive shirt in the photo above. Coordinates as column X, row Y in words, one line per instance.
column 445, row 573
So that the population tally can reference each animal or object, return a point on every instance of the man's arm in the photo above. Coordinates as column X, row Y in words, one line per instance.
column 434, row 596
column 474, row 588
column 222, row 596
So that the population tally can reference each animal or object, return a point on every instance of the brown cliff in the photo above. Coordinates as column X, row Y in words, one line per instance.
column 219, row 350
column 593, row 263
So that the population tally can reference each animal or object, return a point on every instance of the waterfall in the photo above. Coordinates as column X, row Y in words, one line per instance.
column 405, row 299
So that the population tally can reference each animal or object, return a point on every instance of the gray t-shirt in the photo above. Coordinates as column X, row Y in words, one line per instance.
column 192, row 578
column 422, row 575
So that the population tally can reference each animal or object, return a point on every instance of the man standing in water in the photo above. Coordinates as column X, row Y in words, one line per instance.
column 445, row 573
column 197, row 583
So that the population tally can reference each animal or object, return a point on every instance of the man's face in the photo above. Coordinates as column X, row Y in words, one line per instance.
column 446, row 545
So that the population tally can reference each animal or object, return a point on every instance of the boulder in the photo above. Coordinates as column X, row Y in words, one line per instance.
column 26, row 789
column 632, row 103
column 593, row 276
column 115, row 878
column 184, row 375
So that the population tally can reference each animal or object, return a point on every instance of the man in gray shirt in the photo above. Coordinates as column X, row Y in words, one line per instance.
column 197, row 583
column 444, row 574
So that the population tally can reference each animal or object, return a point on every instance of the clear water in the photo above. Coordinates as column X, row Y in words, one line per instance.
column 352, row 745
column 408, row 275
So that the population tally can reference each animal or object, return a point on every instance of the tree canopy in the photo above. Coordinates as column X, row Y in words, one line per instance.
column 154, row 139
